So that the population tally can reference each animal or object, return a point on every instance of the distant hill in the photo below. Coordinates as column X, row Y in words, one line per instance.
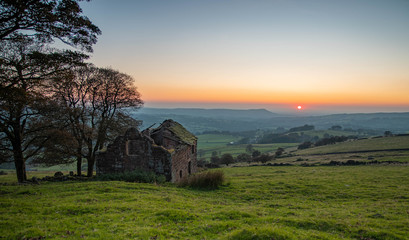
column 198, row 120
column 239, row 114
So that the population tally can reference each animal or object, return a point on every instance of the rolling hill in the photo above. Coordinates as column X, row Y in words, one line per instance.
column 198, row 120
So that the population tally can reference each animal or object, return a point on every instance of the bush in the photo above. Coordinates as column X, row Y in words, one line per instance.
column 133, row 176
column 305, row 145
column 331, row 140
column 227, row 159
column 263, row 158
column 279, row 152
column 204, row 180
column 243, row 157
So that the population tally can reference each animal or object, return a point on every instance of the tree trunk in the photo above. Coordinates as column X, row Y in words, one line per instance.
column 19, row 160
column 90, row 171
column 19, row 163
column 90, row 159
column 79, row 159
column 79, row 165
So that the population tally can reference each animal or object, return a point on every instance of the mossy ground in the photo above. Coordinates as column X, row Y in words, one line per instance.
column 349, row 202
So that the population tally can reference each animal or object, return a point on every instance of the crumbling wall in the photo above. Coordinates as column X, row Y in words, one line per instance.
column 165, row 138
column 168, row 153
column 184, row 162
column 162, row 160
column 129, row 152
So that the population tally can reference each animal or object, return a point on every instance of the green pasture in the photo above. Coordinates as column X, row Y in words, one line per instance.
column 322, row 133
column 208, row 143
column 237, row 149
column 388, row 156
column 360, row 202
column 371, row 144
column 380, row 149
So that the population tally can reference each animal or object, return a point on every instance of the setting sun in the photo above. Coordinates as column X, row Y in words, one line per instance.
column 299, row 107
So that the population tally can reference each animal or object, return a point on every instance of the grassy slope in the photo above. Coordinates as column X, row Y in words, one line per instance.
column 219, row 142
column 384, row 143
column 364, row 150
column 362, row 202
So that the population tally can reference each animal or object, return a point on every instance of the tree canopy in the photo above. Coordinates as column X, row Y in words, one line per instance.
column 54, row 107
column 46, row 20
column 93, row 101
column 27, row 68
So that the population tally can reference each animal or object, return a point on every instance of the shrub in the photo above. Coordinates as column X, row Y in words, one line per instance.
column 331, row 140
column 227, row 159
column 133, row 176
column 243, row 157
column 279, row 152
column 204, row 180
column 215, row 160
column 305, row 145
column 212, row 165
column 256, row 153
column 263, row 158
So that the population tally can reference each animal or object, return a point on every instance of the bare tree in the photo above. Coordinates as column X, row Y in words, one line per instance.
column 95, row 100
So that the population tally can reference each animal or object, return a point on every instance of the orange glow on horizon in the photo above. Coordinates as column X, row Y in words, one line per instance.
column 253, row 96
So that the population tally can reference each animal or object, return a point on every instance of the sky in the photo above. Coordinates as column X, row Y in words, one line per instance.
column 324, row 55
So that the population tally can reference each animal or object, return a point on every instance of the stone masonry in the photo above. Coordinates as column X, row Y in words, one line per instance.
column 168, row 150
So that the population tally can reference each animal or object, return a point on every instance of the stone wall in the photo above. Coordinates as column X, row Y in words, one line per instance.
column 162, row 152
column 162, row 162
column 184, row 162
column 133, row 151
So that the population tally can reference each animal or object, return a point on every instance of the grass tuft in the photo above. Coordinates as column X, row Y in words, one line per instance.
column 204, row 180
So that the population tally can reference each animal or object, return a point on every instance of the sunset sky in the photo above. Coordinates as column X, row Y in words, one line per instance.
column 325, row 55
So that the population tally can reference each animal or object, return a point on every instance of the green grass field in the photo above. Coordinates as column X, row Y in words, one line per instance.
column 208, row 143
column 322, row 133
column 360, row 202
column 383, row 149
column 383, row 143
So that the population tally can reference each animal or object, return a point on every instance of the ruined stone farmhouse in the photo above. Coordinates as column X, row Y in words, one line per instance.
column 169, row 150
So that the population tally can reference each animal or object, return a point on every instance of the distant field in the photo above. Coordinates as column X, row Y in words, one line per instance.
column 384, row 149
column 208, row 143
column 383, row 143
column 237, row 149
column 322, row 133
column 360, row 202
